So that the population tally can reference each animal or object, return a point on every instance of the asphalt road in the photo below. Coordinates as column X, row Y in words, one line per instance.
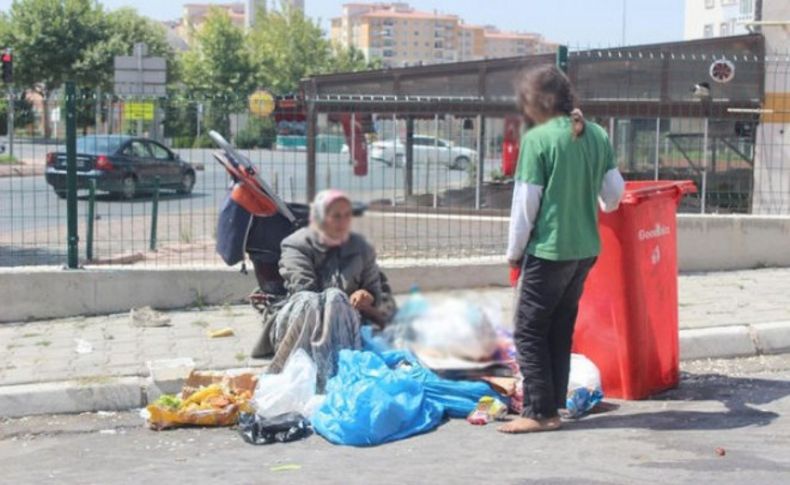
column 28, row 203
column 726, row 423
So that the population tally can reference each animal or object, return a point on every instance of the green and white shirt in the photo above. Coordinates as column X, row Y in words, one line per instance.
column 561, row 181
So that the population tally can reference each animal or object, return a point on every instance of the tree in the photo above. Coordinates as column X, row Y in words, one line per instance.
column 123, row 28
column 286, row 47
column 59, row 40
column 218, row 68
column 50, row 39
column 350, row 59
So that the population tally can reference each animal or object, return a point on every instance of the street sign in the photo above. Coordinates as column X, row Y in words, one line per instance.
column 139, row 110
column 261, row 103
column 140, row 75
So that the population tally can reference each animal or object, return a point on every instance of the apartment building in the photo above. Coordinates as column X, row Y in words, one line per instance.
column 242, row 14
column 717, row 18
column 400, row 35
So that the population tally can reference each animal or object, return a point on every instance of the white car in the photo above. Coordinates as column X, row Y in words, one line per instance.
column 427, row 149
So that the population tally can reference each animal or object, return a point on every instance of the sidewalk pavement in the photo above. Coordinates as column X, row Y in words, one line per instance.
column 100, row 363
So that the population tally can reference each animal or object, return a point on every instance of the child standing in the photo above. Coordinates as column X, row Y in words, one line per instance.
column 566, row 169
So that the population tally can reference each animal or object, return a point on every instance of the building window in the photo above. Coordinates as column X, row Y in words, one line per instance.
column 726, row 3
column 747, row 7
column 710, row 3
column 724, row 29
column 708, row 32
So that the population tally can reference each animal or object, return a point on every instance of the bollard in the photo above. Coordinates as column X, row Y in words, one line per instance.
column 89, row 225
column 154, row 214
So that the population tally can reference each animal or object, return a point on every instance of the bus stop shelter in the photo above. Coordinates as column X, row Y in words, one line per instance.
column 669, row 80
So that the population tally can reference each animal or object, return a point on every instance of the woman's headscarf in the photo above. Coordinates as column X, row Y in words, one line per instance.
column 318, row 210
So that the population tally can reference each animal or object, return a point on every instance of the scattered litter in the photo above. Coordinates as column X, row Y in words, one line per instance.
column 584, row 387
column 167, row 370
column 148, row 317
column 83, row 346
column 721, row 451
column 279, row 429
column 108, row 431
column 105, row 414
column 290, row 391
column 488, row 409
column 286, row 468
column 451, row 328
column 223, row 332
column 206, row 399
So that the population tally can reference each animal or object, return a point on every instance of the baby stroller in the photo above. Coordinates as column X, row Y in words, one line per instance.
column 254, row 220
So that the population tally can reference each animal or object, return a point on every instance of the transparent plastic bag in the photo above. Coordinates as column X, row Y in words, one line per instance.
column 584, row 386
column 290, row 391
column 456, row 328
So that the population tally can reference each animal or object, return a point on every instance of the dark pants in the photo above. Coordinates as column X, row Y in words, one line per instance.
column 547, row 308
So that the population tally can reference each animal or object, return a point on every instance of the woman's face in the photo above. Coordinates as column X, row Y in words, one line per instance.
column 337, row 222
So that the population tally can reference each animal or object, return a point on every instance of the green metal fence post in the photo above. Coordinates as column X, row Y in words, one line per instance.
column 71, row 176
column 562, row 58
column 89, row 225
column 154, row 214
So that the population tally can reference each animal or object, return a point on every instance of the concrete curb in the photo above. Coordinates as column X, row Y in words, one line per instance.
column 735, row 341
column 106, row 290
column 124, row 393
column 110, row 394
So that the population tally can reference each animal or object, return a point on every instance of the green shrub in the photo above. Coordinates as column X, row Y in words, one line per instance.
column 203, row 141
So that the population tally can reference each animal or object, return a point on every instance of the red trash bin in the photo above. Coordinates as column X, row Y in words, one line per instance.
column 628, row 315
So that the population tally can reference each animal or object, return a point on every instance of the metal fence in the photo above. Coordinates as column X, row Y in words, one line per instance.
column 453, row 202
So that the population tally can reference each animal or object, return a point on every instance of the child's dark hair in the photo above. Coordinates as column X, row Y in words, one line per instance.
column 547, row 89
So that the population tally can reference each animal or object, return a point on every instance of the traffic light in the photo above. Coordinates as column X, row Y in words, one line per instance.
column 8, row 67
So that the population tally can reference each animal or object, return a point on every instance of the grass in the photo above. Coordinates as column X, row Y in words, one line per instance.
column 8, row 160
column 200, row 323
column 241, row 356
column 30, row 335
column 43, row 343
column 199, row 301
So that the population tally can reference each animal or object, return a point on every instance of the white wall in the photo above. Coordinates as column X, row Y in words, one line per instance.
column 697, row 15
column 772, row 152
column 705, row 243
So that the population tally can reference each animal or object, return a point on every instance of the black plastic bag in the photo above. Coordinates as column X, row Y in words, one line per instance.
column 279, row 429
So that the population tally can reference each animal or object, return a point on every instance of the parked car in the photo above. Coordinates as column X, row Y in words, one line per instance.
column 122, row 165
column 427, row 149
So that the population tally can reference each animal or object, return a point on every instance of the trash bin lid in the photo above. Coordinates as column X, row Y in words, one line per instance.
column 641, row 190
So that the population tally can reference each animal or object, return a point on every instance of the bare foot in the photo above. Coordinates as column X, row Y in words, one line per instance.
column 529, row 425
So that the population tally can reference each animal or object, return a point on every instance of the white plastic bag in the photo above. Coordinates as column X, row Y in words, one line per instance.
column 583, row 373
column 289, row 391
column 584, row 387
column 456, row 328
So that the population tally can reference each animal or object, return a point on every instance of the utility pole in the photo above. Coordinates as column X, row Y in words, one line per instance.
column 624, row 20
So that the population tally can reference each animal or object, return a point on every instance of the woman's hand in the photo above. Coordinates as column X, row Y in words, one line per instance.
column 361, row 299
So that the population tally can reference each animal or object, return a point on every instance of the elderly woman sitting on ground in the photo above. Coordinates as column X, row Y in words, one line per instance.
column 334, row 285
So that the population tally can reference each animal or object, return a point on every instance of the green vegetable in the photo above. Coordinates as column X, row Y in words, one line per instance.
column 169, row 401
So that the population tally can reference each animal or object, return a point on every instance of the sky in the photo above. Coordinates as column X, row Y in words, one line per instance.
column 583, row 23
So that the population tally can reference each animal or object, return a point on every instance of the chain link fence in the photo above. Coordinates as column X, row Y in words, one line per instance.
column 158, row 189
